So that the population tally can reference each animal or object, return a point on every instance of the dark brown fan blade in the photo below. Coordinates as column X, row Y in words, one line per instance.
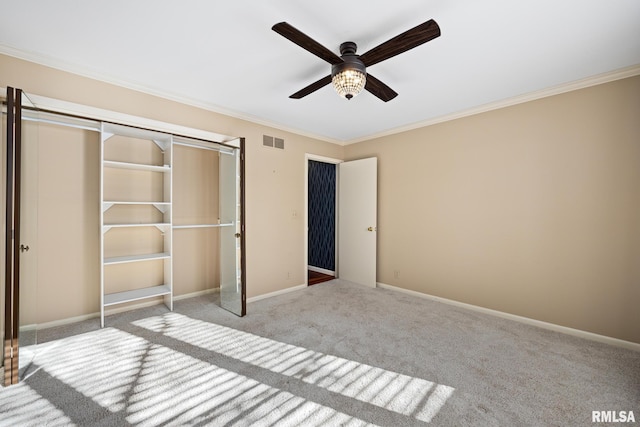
column 306, row 42
column 408, row 40
column 312, row 88
column 379, row 89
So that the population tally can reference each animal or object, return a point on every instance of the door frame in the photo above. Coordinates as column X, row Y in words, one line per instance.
column 323, row 159
column 12, row 236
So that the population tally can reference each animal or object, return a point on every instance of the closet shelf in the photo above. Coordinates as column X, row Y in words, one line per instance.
column 163, row 207
column 202, row 226
column 146, row 224
column 136, row 294
column 132, row 201
column 119, row 202
column 136, row 258
column 136, row 166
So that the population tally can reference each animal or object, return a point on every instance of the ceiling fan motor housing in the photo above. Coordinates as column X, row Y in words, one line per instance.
column 350, row 61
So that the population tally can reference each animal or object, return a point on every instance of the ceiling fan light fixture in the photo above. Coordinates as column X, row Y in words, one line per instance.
column 350, row 75
column 349, row 82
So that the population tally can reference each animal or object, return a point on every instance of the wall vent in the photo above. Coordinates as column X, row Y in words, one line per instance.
column 270, row 141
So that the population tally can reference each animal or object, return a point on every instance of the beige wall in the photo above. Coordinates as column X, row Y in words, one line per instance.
column 196, row 260
column 275, row 178
column 61, row 274
column 532, row 210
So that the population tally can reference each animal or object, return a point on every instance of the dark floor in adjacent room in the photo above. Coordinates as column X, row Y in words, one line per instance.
column 314, row 277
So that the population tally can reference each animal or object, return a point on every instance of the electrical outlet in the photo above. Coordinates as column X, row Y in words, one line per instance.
column 396, row 274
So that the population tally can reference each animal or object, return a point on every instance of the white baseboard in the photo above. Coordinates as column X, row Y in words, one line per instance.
column 545, row 325
column 276, row 293
column 67, row 321
column 321, row 270
column 115, row 310
column 196, row 294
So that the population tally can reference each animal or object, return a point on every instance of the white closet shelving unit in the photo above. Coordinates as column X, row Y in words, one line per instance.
column 141, row 192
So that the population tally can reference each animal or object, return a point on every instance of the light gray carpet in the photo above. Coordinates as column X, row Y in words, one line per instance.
column 332, row 354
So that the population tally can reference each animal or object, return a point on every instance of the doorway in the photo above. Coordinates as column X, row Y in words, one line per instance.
column 321, row 218
column 350, row 238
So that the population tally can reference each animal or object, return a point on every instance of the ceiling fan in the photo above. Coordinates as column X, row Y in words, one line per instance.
column 348, row 71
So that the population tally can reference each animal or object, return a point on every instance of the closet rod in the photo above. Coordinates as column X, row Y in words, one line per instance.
column 203, row 147
column 88, row 123
column 32, row 115
column 67, row 121
column 203, row 226
column 94, row 125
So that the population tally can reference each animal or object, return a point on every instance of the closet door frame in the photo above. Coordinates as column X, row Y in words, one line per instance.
column 12, row 237
column 243, row 253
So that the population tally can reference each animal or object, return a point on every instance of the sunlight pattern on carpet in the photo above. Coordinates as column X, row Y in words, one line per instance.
column 111, row 377
column 22, row 406
column 114, row 372
column 403, row 394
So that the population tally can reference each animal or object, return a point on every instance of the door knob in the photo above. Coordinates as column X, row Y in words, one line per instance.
column 24, row 248
column 372, row 229
column 238, row 235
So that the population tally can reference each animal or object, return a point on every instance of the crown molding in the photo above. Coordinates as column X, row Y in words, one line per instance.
column 57, row 64
column 598, row 79
column 51, row 62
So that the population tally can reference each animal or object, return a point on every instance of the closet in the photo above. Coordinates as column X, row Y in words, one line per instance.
column 170, row 211
column 113, row 216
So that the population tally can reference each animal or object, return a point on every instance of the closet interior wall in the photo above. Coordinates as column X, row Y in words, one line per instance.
column 196, row 243
column 60, row 201
column 67, row 196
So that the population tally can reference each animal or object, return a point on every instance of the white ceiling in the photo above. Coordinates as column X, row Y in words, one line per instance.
column 225, row 57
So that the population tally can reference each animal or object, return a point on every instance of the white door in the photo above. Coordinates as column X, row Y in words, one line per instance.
column 357, row 216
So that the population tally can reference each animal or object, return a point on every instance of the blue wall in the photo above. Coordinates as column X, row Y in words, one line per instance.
column 322, row 215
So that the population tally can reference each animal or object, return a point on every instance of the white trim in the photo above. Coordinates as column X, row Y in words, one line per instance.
column 94, row 75
column 610, row 76
column 544, row 325
column 196, row 294
column 321, row 270
column 70, row 320
column 323, row 159
column 276, row 293
column 99, row 114
column 72, row 108
column 27, row 328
